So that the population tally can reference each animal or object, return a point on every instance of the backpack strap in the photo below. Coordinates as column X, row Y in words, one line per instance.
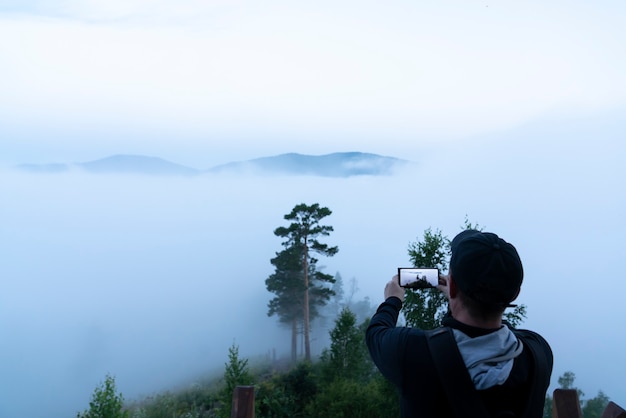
column 453, row 375
column 540, row 380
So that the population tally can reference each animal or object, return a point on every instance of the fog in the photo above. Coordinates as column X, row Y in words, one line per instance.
column 151, row 279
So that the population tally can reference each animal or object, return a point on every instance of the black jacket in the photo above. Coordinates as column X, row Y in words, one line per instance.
column 403, row 357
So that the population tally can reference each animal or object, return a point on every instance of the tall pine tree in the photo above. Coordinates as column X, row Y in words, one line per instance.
column 288, row 285
column 296, row 282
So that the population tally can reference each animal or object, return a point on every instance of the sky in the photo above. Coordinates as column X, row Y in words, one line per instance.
column 513, row 112
column 230, row 80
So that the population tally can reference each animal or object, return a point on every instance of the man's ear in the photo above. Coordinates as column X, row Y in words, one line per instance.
column 454, row 290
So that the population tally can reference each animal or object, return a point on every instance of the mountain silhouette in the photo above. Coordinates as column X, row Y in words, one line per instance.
column 117, row 164
column 340, row 164
column 137, row 164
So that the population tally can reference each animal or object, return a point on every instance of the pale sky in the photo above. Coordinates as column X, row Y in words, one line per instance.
column 203, row 83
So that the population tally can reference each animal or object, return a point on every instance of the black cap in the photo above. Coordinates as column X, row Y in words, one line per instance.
column 486, row 268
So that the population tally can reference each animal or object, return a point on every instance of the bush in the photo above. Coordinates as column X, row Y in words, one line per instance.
column 287, row 394
column 105, row 402
column 344, row 398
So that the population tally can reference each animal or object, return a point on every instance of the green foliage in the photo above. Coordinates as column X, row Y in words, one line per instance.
column 236, row 373
column 273, row 401
column 347, row 357
column 287, row 394
column 590, row 408
column 547, row 406
column 301, row 383
column 594, row 407
column 346, row 398
column 287, row 284
column 516, row 317
column 468, row 225
column 389, row 406
column 105, row 402
column 301, row 393
column 202, row 399
column 305, row 228
column 566, row 380
column 338, row 294
column 425, row 308
column 297, row 283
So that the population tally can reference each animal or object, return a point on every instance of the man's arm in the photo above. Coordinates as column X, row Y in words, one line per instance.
column 385, row 342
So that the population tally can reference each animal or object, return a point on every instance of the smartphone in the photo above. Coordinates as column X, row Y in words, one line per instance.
column 418, row 277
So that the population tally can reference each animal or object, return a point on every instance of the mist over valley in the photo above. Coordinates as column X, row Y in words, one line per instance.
column 149, row 150
column 152, row 278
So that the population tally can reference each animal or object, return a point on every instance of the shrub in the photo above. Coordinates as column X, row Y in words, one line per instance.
column 105, row 402
column 344, row 398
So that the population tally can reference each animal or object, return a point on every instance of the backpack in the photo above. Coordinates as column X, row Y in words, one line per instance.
column 460, row 391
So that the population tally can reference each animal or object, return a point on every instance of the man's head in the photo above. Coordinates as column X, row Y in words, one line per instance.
column 486, row 269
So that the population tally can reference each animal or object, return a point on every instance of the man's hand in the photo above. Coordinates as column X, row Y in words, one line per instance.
column 444, row 285
column 393, row 289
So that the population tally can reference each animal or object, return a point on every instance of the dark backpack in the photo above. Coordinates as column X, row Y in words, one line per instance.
column 463, row 397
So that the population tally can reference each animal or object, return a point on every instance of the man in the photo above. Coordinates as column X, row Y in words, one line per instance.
column 507, row 371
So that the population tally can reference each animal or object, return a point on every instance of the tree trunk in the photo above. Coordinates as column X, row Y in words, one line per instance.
column 307, row 342
column 294, row 341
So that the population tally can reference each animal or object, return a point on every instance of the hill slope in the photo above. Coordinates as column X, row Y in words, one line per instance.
column 340, row 164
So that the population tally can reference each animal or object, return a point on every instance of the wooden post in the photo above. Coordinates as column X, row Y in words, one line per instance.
column 565, row 404
column 243, row 402
column 614, row 411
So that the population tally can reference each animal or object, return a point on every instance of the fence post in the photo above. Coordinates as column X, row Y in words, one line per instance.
column 243, row 402
column 613, row 410
column 565, row 404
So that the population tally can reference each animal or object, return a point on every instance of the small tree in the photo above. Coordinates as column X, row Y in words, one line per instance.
column 105, row 402
column 347, row 357
column 566, row 381
column 424, row 308
column 594, row 407
column 236, row 373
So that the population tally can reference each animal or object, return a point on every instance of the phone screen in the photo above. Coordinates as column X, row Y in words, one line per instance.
column 418, row 278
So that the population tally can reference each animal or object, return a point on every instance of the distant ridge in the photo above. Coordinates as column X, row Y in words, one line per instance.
column 339, row 164
column 43, row 168
column 118, row 164
column 137, row 164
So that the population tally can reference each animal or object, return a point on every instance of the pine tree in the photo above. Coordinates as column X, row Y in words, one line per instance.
column 236, row 373
column 288, row 286
column 300, row 245
column 105, row 402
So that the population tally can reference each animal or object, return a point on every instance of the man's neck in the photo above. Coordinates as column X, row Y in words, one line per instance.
column 464, row 317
